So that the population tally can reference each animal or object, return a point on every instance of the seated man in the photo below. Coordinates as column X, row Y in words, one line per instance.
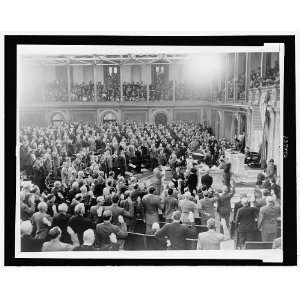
column 211, row 240
column 105, row 229
column 176, row 232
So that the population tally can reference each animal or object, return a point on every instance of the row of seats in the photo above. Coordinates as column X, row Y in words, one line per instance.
column 140, row 227
column 142, row 242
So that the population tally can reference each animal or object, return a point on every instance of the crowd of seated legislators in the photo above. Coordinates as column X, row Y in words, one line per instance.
column 56, row 91
column 83, row 92
column 134, row 91
column 85, row 193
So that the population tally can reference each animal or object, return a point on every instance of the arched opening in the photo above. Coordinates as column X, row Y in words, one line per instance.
column 109, row 117
column 57, row 119
column 161, row 118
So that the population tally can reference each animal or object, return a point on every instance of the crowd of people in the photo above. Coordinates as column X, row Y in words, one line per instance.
column 83, row 92
column 56, row 91
column 184, row 91
column 134, row 91
column 271, row 77
column 85, row 192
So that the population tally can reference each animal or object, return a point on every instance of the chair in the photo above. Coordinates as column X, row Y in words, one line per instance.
column 140, row 226
column 200, row 228
column 191, row 244
column 135, row 241
column 258, row 245
column 153, row 243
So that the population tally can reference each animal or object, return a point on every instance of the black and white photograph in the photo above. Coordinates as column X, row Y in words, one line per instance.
column 150, row 151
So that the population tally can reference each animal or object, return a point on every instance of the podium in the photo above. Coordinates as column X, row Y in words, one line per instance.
column 237, row 161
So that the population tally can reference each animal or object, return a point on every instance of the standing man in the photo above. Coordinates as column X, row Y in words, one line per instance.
column 170, row 205
column 267, row 221
column 211, row 240
column 246, row 222
column 271, row 170
column 176, row 232
column 224, row 203
column 151, row 204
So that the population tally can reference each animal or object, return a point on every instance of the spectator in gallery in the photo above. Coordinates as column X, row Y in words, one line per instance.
column 246, row 218
column 267, row 221
column 29, row 243
column 211, row 239
column 176, row 232
column 55, row 244
column 106, row 232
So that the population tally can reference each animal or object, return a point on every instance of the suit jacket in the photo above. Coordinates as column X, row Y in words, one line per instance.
column 268, row 218
column 104, row 230
column 245, row 219
column 151, row 204
column 30, row 244
column 224, row 204
column 206, row 180
column 176, row 233
column 170, row 205
column 62, row 221
column 80, row 224
column 116, row 212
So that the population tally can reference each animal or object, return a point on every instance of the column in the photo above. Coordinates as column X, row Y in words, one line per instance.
column 69, row 82
column 226, row 74
column 95, row 83
column 121, row 84
column 261, row 63
column 174, row 81
column 235, row 76
column 249, row 129
column 247, row 76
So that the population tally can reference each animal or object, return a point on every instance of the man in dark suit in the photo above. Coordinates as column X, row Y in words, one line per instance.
column 62, row 221
column 105, row 230
column 150, row 205
column 267, row 221
column 224, row 203
column 117, row 211
column 178, row 175
column 192, row 180
column 176, row 233
column 79, row 223
column 246, row 222
column 207, row 180
column 29, row 243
